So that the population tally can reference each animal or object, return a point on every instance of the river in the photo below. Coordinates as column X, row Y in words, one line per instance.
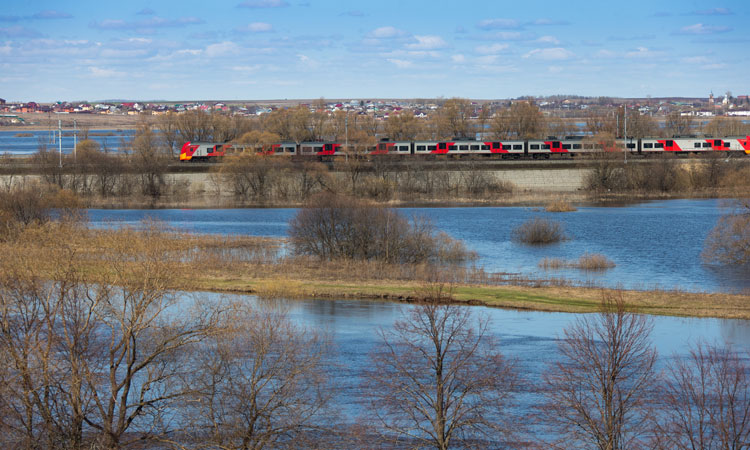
column 25, row 143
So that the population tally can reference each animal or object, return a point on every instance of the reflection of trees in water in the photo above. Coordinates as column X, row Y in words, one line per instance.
column 735, row 331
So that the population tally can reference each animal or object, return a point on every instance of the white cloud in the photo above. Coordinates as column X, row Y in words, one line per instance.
column 545, row 21
column 427, row 43
column 103, row 73
column 695, row 60
column 550, row 54
column 699, row 28
column 554, row 69
column 400, row 63
column 307, row 61
column 254, row 4
column 221, row 49
column 491, row 49
column 714, row 12
column 145, row 24
column 643, row 53
column 548, row 40
column 458, row 58
column 257, row 27
column 604, row 53
column 386, row 33
column 489, row 24
column 254, row 68
column 505, row 35
column 487, row 60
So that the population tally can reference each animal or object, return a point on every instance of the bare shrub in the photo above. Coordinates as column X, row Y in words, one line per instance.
column 25, row 206
column 538, row 231
column 560, row 206
column 606, row 173
column 705, row 401
column 587, row 261
column 338, row 227
column 438, row 381
column 598, row 394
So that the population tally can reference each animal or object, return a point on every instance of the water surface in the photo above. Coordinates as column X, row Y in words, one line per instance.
column 653, row 244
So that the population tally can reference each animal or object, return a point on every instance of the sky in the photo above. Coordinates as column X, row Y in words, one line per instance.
column 302, row 49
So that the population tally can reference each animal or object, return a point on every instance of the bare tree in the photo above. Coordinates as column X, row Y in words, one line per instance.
column 452, row 120
column 729, row 241
column 522, row 120
column 438, row 380
column 677, row 124
column 598, row 393
column 149, row 160
column 403, row 126
column 168, row 125
column 260, row 382
column 705, row 401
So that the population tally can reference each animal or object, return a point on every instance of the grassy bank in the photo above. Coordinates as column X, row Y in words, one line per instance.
column 249, row 265
column 534, row 298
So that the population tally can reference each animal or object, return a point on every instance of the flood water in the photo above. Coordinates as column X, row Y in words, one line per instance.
column 529, row 338
column 18, row 144
column 653, row 244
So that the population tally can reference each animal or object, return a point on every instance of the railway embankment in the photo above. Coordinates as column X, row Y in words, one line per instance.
column 275, row 183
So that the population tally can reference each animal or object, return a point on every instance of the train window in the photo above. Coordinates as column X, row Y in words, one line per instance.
column 327, row 147
column 496, row 145
column 545, row 147
column 631, row 145
column 566, row 146
column 648, row 145
column 706, row 145
column 451, row 147
column 474, row 147
column 718, row 143
column 517, row 147
column 576, row 146
column 659, row 145
column 431, row 147
column 463, row 147
column 442, row 146
column 534, row 146
column 669, row 143
column 697, row 145
column 485, row 147
column 403, row 148
column 421, row 148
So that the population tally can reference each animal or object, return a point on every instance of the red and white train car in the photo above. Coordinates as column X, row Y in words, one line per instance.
column 694, row 145
column 198, row 151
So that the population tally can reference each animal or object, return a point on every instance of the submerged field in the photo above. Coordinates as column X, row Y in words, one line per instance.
column 243, row 264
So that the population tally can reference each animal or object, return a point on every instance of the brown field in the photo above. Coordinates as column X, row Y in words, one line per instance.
column 249, row 265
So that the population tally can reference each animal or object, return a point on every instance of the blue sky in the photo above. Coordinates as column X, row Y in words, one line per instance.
column 268, row 49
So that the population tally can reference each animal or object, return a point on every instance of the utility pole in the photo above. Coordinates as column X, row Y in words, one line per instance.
column 627, row 149
column 59, row 139
column 75, row 140
column 346, row 133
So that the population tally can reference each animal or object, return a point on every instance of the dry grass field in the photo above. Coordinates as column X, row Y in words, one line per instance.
column 258, row 266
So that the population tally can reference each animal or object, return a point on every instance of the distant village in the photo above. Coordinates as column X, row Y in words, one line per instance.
column 560, row 106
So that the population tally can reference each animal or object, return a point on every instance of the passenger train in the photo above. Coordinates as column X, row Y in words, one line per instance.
column 533, row 149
